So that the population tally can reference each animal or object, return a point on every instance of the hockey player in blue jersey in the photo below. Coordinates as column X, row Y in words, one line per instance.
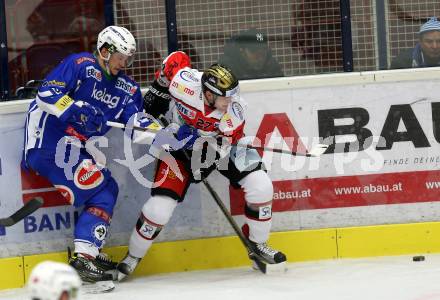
column 73, row 104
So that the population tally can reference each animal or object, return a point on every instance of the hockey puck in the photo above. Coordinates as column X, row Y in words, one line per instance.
column 418, row 258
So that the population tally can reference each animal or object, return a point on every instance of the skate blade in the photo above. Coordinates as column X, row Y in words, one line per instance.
column 269, row 269
column 98, row 287
column 121, row 276
column 114, row 274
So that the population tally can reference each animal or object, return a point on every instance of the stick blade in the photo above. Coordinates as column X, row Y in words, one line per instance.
column 6, row 222
column 31, row 206
column 318, row 150
column 269, row 269
column 98, row 287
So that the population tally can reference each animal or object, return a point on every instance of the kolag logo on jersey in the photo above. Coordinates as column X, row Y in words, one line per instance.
column 127, row 87
column 91, row 71
column 101, row 95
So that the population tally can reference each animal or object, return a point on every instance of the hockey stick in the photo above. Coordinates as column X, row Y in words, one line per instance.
column 26, row 210
column 316, row 151
column 123, row 126
column 251, row 253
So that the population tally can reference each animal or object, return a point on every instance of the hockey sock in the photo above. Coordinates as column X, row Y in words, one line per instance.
column 156, row 212
column 91, row 231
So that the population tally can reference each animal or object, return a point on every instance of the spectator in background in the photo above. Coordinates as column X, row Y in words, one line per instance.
column 54, row 20
column 186, row 44
column 57, row 28
column 426, row 53
column 249, row 56
column 316, row 34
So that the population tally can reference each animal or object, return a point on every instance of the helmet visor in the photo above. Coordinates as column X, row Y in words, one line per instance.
column 234, row 92
column 123, row 59
column 227, row 93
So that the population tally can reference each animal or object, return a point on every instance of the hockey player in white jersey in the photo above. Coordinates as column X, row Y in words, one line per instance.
column 203, row 104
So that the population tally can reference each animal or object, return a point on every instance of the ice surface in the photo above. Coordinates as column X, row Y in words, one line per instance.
column 396, row 278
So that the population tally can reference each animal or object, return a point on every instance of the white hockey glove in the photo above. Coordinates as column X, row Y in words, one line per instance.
column 151, row 126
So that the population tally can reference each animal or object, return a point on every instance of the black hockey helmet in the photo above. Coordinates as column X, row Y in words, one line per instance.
column 219, row 80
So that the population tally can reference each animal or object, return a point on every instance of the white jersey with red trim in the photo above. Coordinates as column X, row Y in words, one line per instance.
column 189, row 107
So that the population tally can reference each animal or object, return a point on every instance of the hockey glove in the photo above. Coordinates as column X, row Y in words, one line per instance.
column 88, row 117
column 151, row 126
column 187, row 135
column 157, row 100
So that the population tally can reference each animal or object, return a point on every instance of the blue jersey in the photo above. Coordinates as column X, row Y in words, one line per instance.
column 81, row 78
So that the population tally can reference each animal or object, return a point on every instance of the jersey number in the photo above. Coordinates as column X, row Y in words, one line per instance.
column 202, row 124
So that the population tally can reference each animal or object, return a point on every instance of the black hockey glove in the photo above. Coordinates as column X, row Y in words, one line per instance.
column 157, row 100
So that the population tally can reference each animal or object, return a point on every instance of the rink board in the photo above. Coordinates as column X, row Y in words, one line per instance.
column 11, row 272
column 228, row 252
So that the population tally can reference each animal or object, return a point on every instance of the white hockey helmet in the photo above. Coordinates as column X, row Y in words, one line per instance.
column 49, row 279
column 116, row 38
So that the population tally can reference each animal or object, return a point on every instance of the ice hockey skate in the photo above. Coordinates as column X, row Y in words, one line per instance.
column 94, row 279
column 267, row 259
column 127, row 266
column 103, row 262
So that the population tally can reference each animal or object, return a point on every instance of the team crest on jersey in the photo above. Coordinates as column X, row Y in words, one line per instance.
column 237, row 109
column 66, row 193
column 91, row 71
column 83, row 59
column 100, row 232
column 188, row 76
column 87, row 175
column 127, row 87
column 185, row 110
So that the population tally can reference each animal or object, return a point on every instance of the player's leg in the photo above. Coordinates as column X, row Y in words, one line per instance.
column 155, row 214
column 90, row 234
column 245, row 170
column 82, row 184
column 258, row 193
